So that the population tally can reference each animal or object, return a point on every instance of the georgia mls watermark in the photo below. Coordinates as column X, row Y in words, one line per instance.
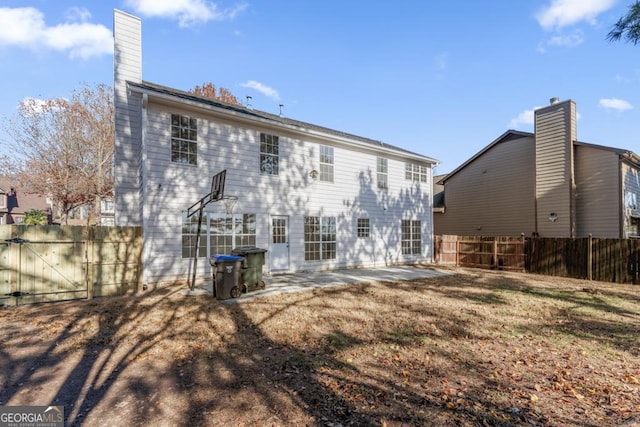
column 31, row 416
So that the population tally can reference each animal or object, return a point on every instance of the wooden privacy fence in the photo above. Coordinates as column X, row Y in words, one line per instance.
column 608, row 260
column 505, row 253
column 55, row 263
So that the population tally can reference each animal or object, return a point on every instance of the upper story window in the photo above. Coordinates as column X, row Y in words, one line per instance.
column 382, row 173
column 415, row 172
column 107, row 206
column 184, row 139
column 269, row 154
column 326, row 163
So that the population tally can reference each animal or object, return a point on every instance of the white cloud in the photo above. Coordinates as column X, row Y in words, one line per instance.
column 25, row 27
column 263, row 89
column 527, row 118
column 78, row 14
column 524, row 118
column 187, row 12
column 571, row 40
column 615, row 104
column 564, row 13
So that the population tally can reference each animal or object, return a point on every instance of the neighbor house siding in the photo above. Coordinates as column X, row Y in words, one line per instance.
column 598, row 192
column 494, row 194
column 555, row 131
column 631, row 185
column 235, row 146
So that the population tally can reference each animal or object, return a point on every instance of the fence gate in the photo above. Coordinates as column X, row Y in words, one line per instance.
column 43, row 271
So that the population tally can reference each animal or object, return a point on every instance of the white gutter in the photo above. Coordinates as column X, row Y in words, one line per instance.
column 242, row 117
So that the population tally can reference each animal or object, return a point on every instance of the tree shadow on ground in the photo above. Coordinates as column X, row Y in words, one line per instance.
column 394, row 352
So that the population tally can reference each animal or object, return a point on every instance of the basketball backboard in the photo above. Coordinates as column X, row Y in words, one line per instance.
column 217, row 185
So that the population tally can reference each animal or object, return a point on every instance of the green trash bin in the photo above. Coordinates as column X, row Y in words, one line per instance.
column 251, row 269
column 226, row 276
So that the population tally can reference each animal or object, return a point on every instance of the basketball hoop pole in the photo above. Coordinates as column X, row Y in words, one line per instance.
column 195, row 258
column 216, row 194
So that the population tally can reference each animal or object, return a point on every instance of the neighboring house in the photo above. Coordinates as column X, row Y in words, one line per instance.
column 88, row 214
column 107, row 212
column 544, row 183
column 315, row 198
column 14, row 202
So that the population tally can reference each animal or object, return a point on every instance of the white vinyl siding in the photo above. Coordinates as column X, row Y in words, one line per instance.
column 128, row 120
column 172, row 188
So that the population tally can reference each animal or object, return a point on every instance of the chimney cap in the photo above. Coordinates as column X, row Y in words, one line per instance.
column 554, row 100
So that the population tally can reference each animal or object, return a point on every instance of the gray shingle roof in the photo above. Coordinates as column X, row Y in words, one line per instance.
column 257, row 114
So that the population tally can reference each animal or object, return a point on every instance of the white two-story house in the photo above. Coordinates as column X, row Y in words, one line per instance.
column 314, row 198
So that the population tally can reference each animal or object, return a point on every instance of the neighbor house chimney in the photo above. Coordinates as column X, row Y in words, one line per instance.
column 555, row 131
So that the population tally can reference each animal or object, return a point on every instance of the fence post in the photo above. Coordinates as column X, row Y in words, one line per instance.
column 88, row 252
column 496, row 264
column 590, row 258
column 524, row 253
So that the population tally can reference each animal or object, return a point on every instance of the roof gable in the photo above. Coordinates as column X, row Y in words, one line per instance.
column 509, row 135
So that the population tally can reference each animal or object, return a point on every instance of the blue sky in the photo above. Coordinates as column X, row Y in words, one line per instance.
column 440, row 78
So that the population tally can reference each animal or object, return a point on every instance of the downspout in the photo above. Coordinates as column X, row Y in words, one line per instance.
column 431, row 228
column 146, row 249
column 621, row 207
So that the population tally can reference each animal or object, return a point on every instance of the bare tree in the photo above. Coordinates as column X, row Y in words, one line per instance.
column 65, row 147
column 628, row 26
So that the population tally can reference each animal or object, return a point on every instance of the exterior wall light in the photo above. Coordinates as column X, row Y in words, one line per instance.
column 313, row 174
column 553, row 217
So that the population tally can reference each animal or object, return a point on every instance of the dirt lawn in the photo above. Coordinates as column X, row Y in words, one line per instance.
column 478, row 348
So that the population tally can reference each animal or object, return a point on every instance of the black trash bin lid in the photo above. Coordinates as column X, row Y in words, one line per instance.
column 243, row 250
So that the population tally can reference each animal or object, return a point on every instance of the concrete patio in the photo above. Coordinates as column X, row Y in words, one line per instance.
column 299, row 282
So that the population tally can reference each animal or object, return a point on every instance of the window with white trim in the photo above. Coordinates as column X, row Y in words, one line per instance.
column 225, row 231
column 184, row 140
column 229, row 231
column 189, row 233
column 411, row 237
column 326, row 163
column 319, row 238
column 363, row 227
column 415, row 172
column 382, row 173
column 269, row 154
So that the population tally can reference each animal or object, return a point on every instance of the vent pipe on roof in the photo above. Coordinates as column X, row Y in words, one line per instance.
column 248, row 102
column 281, row 106
column 554, row 100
